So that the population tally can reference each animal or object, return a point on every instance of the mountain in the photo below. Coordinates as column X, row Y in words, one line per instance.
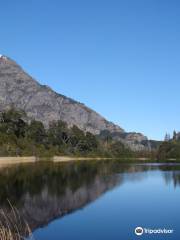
column 40, row 102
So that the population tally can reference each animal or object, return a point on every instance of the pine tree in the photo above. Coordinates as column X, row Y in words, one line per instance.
column 174, row 135
column 167, row 137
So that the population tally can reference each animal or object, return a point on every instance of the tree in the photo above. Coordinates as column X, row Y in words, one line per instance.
column 58, row 133
column 77, row 137
column 167, row 137
column 12, row 123
column 117, row 149
column 92, row 141
column 174, row 135
column 36, row 132
column 169, row 150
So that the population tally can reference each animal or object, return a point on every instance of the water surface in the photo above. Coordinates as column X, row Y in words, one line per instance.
column 94, row 200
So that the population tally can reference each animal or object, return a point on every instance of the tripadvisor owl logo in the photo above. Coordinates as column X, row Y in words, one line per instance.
column 139, row 231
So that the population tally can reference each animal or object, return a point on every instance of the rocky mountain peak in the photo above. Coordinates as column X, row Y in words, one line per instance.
column 2, row 58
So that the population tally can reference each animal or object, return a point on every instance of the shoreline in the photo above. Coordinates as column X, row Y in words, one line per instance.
column 68, row 159
column 33, row 159
column 57, row 159
column 16, row 160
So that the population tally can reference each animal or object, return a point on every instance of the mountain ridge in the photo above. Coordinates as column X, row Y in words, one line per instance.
column 42, row 103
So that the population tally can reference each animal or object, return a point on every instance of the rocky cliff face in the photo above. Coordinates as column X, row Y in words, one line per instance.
column 40, row 102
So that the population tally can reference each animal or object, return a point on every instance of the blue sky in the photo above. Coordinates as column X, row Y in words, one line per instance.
column 121, row 58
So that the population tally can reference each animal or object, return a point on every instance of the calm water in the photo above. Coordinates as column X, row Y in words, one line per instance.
column 94, row 200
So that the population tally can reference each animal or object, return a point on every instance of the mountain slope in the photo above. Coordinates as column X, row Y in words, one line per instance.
column 42, row 103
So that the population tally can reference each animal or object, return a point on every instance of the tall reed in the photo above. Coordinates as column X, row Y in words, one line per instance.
column 12, row 225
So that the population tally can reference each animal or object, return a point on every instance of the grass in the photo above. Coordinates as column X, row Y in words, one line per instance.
column 13, row 226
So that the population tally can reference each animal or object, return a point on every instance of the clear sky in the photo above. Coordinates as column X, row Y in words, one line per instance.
column 121, row 58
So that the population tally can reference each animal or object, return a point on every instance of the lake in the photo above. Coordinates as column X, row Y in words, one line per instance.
column 95, row 200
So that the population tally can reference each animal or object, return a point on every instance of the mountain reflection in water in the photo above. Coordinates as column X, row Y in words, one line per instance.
column 43, row 192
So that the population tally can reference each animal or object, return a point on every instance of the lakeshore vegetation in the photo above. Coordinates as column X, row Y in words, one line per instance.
column 19, row 137
column 169, row 150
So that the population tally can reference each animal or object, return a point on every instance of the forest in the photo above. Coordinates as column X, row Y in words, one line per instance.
column 21, row 137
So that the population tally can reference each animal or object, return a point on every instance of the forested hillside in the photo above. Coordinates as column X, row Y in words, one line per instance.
column 20, row 137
